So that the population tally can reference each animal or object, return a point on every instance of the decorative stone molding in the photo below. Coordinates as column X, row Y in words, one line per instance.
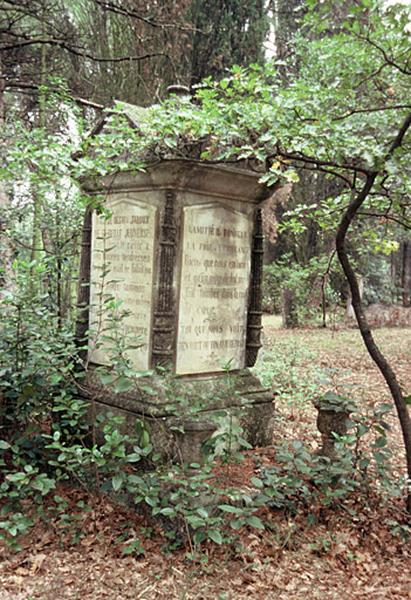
column 254, row 327
column 83, row 293
column 163, row 340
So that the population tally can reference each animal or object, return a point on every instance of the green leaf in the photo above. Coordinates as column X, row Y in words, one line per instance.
column 134, row 547
column 107, row 378
column 117, row 482
column 150, row 501
column 257, row 482
column 56, row 378
column 199, row 536
column 383, row 408
column 215, row 536
column 236, row 523
column 123, row 384
column 380, row 457
column 230, row 509
column 134, row 457
column 195, row 522
column 312, row 519
column 364, row 463
column 15, row 477
column 168, row 511
column 4, row 445
column 255, row 522
column 380, row 442
column 142, row 373
column 145, row 439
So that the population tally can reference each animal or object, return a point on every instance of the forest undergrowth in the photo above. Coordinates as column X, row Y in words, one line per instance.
column 310, row 547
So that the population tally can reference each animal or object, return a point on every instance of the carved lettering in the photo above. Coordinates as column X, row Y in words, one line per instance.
column 122, row 268
column 214, row 289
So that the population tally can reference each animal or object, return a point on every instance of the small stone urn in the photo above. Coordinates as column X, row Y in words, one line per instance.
column 333, row 418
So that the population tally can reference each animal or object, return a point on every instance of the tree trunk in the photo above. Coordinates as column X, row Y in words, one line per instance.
column 37, row 240
column 349, row 310
column 374, row 351
column 83, row 293
column 290, row 309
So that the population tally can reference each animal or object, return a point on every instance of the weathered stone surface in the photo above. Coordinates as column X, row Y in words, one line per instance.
column 190, row 436
column 184, row 244
column 330, row 422
column 122, row 267
column 214, row 289
column 163, row 401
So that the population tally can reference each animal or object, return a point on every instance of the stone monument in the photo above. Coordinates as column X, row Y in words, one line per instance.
column 182, row 249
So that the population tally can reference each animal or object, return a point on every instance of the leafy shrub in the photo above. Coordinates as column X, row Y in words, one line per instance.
column 303, row 480
column 289, row 368
column 37, row 352
column 47, row 439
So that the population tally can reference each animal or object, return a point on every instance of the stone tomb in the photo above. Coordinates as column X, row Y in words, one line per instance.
column 182, row 251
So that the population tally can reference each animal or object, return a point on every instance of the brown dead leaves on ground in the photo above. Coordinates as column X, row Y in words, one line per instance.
column 261, row 568
column 351, row 555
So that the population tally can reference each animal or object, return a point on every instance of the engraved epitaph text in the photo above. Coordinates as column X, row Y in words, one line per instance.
column 122, row 268
column 214, row 289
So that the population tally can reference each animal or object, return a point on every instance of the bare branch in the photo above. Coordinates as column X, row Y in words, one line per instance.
column 400, row 137
column 371, row 110
column 318, row 168
column 79, row 51
column 21, row 85
column 126, row 12
column 388, row 217
column 298, row 156
column 120, row 10
column 388, row 60
column 356, row 111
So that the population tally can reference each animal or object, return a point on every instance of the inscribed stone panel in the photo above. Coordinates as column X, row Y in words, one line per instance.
column 214, row 288
column 122, row 269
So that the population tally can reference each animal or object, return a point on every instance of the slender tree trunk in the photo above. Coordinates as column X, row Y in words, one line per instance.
column 349, row 310
column 394, row 276
column 324, row 280
column 373, row 349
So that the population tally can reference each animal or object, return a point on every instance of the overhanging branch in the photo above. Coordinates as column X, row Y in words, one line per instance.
column 78, row 51
column 298, row 156
column 21, row 85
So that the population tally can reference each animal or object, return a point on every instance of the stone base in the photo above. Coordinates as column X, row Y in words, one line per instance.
column 183, row 412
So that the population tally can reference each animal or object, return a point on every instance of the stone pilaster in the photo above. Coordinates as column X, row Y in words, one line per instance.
column 83, row 292
column 254, row 327
column 164, row 335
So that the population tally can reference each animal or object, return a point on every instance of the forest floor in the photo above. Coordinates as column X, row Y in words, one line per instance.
column 357, row 553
